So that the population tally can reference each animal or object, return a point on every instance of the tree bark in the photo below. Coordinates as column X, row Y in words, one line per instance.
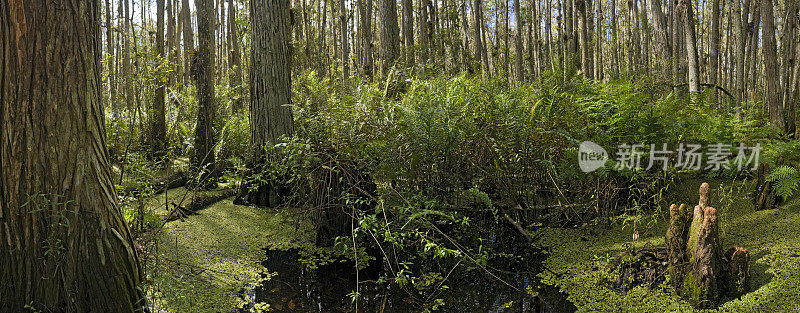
column 408, row 29
column 789, row 41
column 344, row 42
column 188, row 39
column 270, row 80
column 771, row 65
column 158, row 124
column 235, row 79
column 64, row 245
column 388, row 32
column 713, row 54
column 365, row 34
column 518, row 43
column 203, row 72
column 691, row 47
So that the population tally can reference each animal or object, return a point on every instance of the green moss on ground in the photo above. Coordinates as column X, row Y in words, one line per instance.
column 771, row 236
column 197, row 265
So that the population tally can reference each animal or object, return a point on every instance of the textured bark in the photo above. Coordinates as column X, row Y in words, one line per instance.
column 518, row 43
column 713, row 54
column 388, row 33
column 235, row 55
column 614, row 42
column 408, row 29
column 740, row 16
column 738, row 271
column 188, row 38
column 701, row 288
column 584, row 9
column 699, row 271
column 270, row 81
column 691, row 47
column 477, row 45
column 676, row 242
column 126, row 58
column 203, row 72
column 64, row 246
column 788, row 43
column 112, row 75
column 661, row 37
column 365, row 36
column 345, row 42
column 772, row 91
column 158, row 124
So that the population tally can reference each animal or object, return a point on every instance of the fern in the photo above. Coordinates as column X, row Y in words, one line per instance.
column 786, row 179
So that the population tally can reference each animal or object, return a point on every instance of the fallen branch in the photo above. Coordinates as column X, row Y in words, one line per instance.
column 198, row 202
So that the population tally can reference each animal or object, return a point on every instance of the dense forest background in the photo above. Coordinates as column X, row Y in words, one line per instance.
column 405, row 156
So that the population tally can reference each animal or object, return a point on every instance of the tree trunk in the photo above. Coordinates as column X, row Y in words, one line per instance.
column 691, row 48
column 235, row 79
column 713, row 54
column 614, row 42
column 789, row 41
column 270, row 81
column 188, row 39
column 771, row 65
column 158, row 124
column 345, row 42
column 64, row 245
column 584, row 8
column 387, row 26
column 112, row 87
column 661, row 37
column 408, row 30
column 518, row 43
column 203, row 73
column 365, row 34
column 126, row 59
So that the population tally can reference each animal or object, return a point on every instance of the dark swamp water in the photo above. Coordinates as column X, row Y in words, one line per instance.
column 512, row 285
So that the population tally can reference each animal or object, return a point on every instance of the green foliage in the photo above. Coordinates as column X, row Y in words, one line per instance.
column 786, row 179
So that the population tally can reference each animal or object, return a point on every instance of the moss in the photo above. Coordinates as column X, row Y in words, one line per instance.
column 771, row 236
column 203, row 261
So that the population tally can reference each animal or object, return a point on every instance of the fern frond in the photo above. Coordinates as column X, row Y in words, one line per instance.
column 786, row 179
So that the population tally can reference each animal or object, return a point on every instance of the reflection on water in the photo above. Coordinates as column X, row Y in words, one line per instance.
column 511, row 286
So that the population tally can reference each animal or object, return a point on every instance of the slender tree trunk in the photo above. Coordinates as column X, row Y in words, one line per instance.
column 614, row 42
column 235, row 79
column 126, row 59
column 365, row 32
column 64, row 244
column 518, row 43
column 599, row 36
column 188, row 39
column 158, row 124
column 789, row 41
column 713, row 54
column 740, row 19
column 112, row 75
column 477, row 45
column 345, row 42
column 203, row 73
column 691, row 47
column 584, row 9
column 408, row 30
column 771, row 65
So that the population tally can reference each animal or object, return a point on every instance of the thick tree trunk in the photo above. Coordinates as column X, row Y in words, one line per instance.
column 388, row 32
column 270, row 81
column 64, row 245
column 661, row 37
column 203, row 73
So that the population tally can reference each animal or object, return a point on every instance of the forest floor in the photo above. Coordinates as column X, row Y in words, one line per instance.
column 579, row 256
column 207, row 262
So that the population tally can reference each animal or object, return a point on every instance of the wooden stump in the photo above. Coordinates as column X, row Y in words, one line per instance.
column 698, row 270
